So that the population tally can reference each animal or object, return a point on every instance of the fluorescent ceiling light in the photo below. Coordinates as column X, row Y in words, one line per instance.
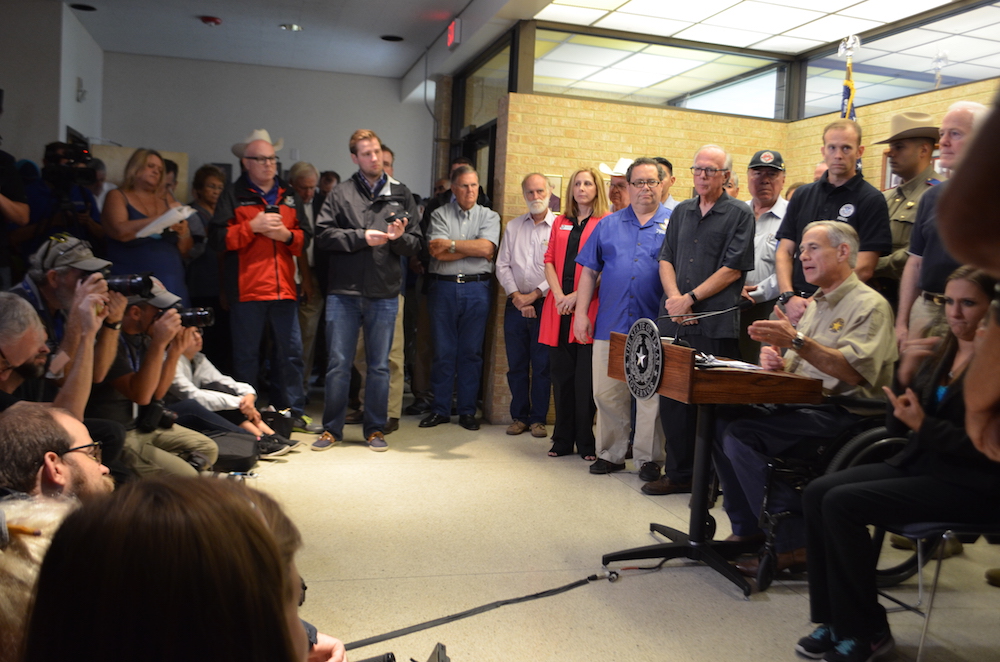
column 886, row 11
column 717, row 35
column 762, row 17
column 574, row 53
column 564, row 69
column 663, row 27
column 668, row 66
column 833, row 28
column 628, row 78
column 678, row 11
column 783, row 44
column 606, row 5
column 573, row 15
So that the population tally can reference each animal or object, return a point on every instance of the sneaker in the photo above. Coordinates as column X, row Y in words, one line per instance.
column 269, row 449
column 304, row 424
column 326, row 441
column 817, row 644
column 853, row 649
column 538, row 430
column 376, row 442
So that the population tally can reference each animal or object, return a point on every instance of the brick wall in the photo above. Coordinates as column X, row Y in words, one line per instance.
column 556, row 135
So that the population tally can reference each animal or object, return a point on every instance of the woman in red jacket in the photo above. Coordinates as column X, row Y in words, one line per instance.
column 569, row 358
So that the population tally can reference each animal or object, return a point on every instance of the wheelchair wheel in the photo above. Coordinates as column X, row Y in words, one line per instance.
column 872, row 446
column 710, row 528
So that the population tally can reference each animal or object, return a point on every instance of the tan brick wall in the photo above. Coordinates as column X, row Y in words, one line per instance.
column 556, row 135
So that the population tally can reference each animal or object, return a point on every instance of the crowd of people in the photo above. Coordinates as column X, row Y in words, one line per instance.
column 163, row 377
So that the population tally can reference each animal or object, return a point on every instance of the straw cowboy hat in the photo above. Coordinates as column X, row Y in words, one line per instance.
column 262, row 134
column 619, row 170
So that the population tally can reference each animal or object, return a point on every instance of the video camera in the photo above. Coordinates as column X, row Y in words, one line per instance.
column 68, row 164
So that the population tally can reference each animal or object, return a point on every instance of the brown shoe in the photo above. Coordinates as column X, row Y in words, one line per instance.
column 538, row 430
column 794, row 561
column 391, row 425
column 993, row 576
column 517, row 427
column 376, row 442
column 355, row 417
column 663, row 485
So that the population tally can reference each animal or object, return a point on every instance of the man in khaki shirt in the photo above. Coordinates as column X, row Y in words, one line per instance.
column 846, row 339
column 911, row 147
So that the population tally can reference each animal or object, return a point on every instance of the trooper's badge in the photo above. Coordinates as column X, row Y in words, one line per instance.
column 643, row 359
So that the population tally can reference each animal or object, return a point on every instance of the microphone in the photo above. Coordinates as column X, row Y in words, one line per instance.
column 744, row 304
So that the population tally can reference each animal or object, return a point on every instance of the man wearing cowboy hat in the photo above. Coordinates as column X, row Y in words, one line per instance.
column 911, row 146
column 618, row 194
column 258, row 225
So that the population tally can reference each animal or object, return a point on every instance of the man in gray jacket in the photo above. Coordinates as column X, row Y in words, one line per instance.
column 366, row 225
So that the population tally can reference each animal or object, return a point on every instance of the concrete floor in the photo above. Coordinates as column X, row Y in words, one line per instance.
column 448, row 520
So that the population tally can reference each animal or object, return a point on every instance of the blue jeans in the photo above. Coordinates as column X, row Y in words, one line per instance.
column 458, row 319
column 248, row 319
column 345, row 316
column 527, row 366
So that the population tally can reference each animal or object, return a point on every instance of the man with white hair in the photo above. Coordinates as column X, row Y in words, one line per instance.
column 921, row 287
column 521, row 272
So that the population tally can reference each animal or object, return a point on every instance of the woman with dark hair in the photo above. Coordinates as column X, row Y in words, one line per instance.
column 142, row 199
column 569, row 358
column 165, row 570
column 939, row 476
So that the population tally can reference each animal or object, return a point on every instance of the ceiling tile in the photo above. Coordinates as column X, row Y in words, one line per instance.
column 571, row 15
column 959, row 48
column 606, row 5
column 603, row 87
column 592, row 55
column 903, row 40
column 760, row 17
column 678, row 11
column 971, row 71
column 679, row 84
column 832, row 28
column 783, row 44
column 744, row 61
column 901, row 62
column 716, row 35
column 666, row 65
column 990, row 61
column 966, row 21
column 648, row 25
column 628, row 77
column 607, row 42
column 564, row 69
column 682, row 53
column 816, row 5
column 886, row 11
column 716, row 72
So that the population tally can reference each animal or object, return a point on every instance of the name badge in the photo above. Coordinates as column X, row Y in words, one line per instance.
column 565, row 227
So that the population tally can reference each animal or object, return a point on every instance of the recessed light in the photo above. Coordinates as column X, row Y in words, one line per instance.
column 291, row 27
column 83, row 7
column 391, row 37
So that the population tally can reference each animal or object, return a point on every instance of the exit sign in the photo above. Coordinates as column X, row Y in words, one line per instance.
column 455, row 33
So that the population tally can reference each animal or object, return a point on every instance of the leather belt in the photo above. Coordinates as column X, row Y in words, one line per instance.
column 461, row 278
column 937, row 299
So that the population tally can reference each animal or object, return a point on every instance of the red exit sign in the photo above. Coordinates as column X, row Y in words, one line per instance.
column 455, row 33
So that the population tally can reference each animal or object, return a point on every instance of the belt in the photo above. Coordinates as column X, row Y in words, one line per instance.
column 937, row 299
column 461, row 278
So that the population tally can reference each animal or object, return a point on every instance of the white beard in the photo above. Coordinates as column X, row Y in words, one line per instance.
column 538, row 206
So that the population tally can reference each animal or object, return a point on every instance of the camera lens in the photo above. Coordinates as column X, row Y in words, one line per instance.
column 132, row 284
column 197, row 317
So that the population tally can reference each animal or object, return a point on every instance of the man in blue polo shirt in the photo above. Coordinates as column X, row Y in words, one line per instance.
column 625, row 248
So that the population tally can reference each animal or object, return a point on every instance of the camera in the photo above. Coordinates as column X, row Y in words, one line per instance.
column 154, row 416
column 197, row 317
column 140, row 285
column 272, row 209
column 67, row 164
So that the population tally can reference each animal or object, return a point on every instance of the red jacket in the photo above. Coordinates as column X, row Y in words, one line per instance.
column 257, row 268
column 548, row 331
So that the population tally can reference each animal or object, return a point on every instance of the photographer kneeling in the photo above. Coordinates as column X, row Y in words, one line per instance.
column 151, row 341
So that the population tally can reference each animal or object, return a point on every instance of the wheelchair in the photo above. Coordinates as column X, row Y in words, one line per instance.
column 866, row 442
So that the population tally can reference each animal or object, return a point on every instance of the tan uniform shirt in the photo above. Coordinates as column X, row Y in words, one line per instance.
column 902, row 202
column 857, row 321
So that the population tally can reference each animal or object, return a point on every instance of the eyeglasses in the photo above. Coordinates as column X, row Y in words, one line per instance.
column 263, row 160
column 643, row 183
column 94, row 454
column 708, row 172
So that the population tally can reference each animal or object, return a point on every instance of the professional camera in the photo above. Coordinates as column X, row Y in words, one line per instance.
column 197, row 317
column 140, row 285
column 154, row 416
column 67, row 164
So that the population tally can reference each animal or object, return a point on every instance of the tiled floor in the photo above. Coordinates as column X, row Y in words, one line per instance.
column 448, row 520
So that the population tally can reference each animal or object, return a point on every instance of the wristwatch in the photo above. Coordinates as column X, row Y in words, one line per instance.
column 798, row 341
column 784, row 297
column 114, row 326
column 451, row 249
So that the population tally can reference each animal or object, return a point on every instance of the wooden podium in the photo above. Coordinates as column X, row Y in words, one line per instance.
column 705, row 388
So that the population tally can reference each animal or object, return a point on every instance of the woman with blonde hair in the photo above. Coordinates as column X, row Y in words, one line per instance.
column 569, row 358
column 141, row 199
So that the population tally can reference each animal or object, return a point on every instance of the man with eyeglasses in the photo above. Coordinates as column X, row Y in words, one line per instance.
column 624, row 249
column 618, row 190
column 706, row 252
column 840, row 194
column 260, row 226
column 45, row 451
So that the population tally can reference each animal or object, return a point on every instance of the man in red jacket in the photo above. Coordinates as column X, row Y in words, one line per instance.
column 258, row 225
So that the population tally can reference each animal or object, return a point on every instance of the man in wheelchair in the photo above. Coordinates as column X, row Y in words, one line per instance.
column 846, row 339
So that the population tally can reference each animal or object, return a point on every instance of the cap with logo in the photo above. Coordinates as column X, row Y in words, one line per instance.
column 63, row 250
column 767, row 158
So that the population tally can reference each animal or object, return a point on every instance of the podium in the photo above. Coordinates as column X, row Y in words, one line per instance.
column 706, row 387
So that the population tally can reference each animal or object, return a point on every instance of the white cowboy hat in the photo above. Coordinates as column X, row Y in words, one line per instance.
column 619, row 170
column 258, row 134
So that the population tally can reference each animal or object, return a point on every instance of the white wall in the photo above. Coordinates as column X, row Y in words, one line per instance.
column 81, row 58
column 29, row 75
column 202, row 108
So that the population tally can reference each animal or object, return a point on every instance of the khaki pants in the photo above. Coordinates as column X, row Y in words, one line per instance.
column 153, row 453
column 395, row 366
column 613, row 401
column 926, row 319
column 310, row 313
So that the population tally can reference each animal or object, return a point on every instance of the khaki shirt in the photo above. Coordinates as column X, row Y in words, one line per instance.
column 857, row 321
column 902, row 202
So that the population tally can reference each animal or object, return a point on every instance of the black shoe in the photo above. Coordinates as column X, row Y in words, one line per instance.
column 391, row 426
column 468, row 421
column 434, row 419
column 649, row 472
column 602, row 466
column 418, row 408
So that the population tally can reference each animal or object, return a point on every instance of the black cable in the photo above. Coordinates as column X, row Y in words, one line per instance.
column 472, row 612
